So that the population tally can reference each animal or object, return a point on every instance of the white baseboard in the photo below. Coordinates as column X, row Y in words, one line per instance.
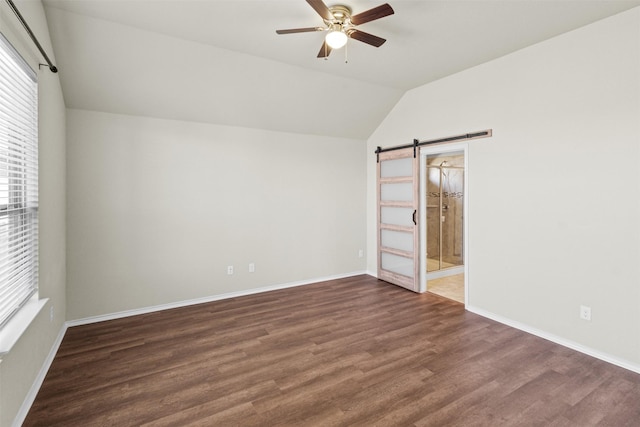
column 558, row 340
column 145, row 310
column 37, row 383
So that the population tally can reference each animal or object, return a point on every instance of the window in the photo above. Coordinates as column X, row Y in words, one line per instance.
column 18, row 182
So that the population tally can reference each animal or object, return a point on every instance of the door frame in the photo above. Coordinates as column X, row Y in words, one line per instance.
column 443, row 149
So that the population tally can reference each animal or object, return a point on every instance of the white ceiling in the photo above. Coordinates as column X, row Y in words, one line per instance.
column 222, row 62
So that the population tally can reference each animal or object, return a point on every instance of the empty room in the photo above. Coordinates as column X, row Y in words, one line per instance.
column 314, row 213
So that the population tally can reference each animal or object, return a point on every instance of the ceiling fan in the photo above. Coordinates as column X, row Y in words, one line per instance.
column 341, row 25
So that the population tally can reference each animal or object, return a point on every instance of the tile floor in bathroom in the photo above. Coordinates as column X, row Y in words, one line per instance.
column 451, row 287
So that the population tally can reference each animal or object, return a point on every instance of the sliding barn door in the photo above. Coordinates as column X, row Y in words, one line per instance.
column 398, row 244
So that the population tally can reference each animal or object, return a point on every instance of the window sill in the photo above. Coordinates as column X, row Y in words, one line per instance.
column 18, row 324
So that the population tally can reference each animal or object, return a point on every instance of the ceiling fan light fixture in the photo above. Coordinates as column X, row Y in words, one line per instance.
column 340, row 25
column 336, row 39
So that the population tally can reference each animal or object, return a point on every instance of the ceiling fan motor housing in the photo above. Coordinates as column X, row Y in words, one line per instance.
column 341, row 15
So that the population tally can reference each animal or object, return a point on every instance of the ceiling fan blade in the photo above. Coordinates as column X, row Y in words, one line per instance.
column 300, row 30
column 325, row 50
column 321, row 9
column 366, row 38
column 372, row 14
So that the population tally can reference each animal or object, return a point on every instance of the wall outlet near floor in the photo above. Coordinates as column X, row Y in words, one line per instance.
column 51, row 314
column 360, row 253
column 252, row 267
column 230, row 270
column 585, row 312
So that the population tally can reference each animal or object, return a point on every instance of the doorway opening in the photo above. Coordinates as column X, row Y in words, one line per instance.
column 444, row 182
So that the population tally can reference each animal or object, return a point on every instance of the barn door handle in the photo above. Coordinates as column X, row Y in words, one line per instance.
column 414, row 217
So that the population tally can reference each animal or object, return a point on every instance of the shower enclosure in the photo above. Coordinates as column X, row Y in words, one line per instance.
column 445, row 202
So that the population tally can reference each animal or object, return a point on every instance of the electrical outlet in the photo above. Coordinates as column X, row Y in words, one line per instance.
column 230, row 270
column 51, row 314
column 585, row 312
column 360, row 253
column 252, row 267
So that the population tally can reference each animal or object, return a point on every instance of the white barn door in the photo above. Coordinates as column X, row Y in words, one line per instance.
column 398, row 218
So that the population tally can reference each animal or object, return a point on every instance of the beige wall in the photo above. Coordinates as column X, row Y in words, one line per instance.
column 157, row 210
column 565, row 116
column 20, row 367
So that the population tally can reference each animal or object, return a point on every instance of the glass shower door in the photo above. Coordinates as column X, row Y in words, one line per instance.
column 434, row 218
column 452, row 216
column 444, row 212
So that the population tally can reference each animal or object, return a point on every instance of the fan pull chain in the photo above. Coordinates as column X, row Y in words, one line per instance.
column 346, row 52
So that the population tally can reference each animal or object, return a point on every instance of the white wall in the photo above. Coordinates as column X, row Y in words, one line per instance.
column 21, row 366
column 555, row 193
column 157, row 209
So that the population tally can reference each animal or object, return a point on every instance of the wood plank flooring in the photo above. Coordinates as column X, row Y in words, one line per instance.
column 349, row 352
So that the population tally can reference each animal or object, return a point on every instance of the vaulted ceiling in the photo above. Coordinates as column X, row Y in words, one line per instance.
column 221, row 62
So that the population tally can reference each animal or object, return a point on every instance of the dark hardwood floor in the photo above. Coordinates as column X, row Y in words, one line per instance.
column 347, row 352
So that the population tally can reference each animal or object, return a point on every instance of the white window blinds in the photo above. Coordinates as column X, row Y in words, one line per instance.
column 18, row 182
